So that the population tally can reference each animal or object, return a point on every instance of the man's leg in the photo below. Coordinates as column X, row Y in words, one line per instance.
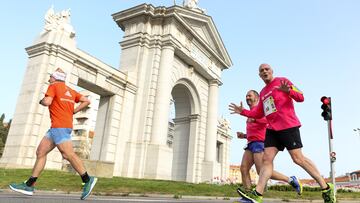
column 266, row 170
column 67, row 151
column 328, row 190
column 293, row 181
column 298, row 158
column 27, row 187
column 246, row 164
column 279, row 176
column 45, row 146
column 258, row 159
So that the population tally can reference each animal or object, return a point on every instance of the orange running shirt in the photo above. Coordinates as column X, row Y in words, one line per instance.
column 62, row 106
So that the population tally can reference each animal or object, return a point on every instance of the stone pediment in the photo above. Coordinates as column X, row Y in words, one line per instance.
column 200, row 25
column 203, row 27
column 203, row 31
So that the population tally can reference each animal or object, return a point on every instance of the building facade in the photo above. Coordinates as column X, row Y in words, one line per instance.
column 84, row 125
column 235, row 174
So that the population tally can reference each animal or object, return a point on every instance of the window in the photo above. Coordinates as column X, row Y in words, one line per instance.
column 219, row 151
column 354, row 177
column 170, row 135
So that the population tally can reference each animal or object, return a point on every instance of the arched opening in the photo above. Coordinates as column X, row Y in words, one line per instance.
column 182, row 129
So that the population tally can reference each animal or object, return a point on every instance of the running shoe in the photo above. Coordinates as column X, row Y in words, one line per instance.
column 88, row 187
column 243, row 190
column 243, row 200
column 296, row 184
column 22, row 188
column 329, row 194
column 252, row 196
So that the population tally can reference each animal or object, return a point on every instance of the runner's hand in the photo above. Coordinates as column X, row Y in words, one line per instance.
column 235, row 108
column 284, row 86
column 241, row 135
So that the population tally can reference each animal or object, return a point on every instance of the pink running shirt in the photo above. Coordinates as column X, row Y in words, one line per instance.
column 256, row 129
column 277, row 106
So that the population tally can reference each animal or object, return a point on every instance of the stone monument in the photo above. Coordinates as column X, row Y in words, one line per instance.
column 166, row 53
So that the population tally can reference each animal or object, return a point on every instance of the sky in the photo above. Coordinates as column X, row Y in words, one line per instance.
column 315, row 44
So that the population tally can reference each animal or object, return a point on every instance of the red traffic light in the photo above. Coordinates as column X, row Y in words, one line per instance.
column 326, row 107
column 325, row 100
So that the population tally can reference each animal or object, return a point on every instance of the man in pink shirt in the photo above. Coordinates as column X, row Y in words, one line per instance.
column 254, row 149
column 276, row 104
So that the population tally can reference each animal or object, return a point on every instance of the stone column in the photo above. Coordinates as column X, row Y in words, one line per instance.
column 211, row 126
column 162, row 99
column 192, row 165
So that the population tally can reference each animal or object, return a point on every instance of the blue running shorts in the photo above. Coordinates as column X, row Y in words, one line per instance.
column 59, row 135
column 255, row 147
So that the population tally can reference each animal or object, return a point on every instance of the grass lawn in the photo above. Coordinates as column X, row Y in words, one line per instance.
column 62, row 181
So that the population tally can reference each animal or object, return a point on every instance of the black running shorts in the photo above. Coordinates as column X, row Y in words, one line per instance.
column 288, row 138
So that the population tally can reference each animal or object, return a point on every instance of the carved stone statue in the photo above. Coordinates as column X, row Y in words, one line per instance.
column 58, row 22
column 193, row 5
column 224, row 123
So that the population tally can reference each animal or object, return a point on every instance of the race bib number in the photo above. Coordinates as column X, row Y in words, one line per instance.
column 269, row 106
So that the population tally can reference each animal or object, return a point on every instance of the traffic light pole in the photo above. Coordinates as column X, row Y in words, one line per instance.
column 332, row 154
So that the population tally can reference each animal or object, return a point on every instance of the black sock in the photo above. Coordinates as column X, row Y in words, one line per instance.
column 85, row 177
column 31, row 181
column 257, row 193
column 328, row 187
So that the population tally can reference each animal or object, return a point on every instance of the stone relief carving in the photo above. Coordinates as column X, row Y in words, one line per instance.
column 58, row 22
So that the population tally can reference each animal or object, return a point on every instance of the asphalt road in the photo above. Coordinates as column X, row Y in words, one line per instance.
column 12, row 197
column 7, row 196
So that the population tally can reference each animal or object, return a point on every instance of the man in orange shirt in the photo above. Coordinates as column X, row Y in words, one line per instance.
column 60, row 99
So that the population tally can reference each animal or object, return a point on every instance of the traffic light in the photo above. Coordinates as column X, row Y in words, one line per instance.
column 326, row 107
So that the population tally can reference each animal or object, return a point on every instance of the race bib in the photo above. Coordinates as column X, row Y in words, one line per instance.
column 269, row 106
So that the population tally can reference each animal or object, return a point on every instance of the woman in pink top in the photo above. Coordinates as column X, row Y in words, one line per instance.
column 276, row 104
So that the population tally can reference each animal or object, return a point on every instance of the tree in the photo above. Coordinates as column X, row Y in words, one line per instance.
column 4, row 130
column 2, row 145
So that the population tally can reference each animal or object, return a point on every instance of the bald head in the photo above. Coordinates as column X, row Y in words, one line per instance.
column 266, row 73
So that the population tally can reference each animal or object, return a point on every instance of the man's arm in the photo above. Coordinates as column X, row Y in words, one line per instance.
column 236, row 108
column 293, row 92
column 241, row 135
column 296, row 94
column 84, row 102
column 46, row 101
column 257, row 112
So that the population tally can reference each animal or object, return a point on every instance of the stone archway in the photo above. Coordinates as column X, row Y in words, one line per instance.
column 173, row 51
column 186, row 122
